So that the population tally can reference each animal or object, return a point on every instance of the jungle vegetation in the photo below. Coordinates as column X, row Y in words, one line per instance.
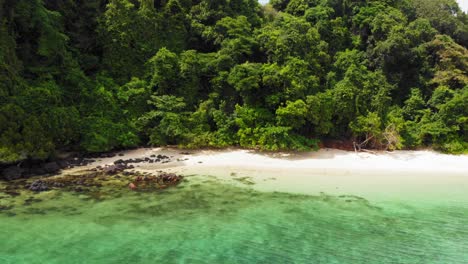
column 99, row 75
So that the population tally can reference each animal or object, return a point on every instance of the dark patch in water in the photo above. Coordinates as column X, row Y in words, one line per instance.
column 36, row 211
column 31, row 200
column 10, row 214
column 6, row 207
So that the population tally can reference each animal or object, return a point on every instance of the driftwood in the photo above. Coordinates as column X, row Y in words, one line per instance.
column 359, row 146
column 368, row 151
column 388, row 140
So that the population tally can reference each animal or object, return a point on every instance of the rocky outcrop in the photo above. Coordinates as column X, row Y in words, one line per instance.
column 51, row 167
column 30, row 168
column 12, row 173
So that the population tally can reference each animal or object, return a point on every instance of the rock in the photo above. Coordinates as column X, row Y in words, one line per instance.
column 75, row 161
column 153, row 156
column 58, row 184
column 170, row 178
column 39, row 186
column 114, row 169
column 37, row 171
column 119, row 161
column 63, row 164
column 51, row 167
column 12, row 173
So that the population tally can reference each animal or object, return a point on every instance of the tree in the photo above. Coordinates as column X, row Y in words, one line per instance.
column 165, row 123
column 292, row 115
column 165, row 72
column 451, row 62
column 444, row 15
column 246, row 79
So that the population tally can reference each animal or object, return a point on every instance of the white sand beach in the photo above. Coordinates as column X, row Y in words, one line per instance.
column 405, row 173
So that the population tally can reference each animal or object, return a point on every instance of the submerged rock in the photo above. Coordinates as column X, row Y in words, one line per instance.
column 39, row 186
column 6, row 207
column 148, row 182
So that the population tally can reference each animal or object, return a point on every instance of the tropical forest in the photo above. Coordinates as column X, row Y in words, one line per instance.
column 99, row 75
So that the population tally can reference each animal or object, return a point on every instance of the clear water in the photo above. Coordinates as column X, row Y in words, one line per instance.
column 205, row 220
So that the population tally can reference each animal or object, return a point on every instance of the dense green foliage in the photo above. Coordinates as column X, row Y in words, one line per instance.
column 103, row 74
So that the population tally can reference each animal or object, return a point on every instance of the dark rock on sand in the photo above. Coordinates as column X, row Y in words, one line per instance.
column 114, row 169
column 12, row 173
column 120, row 161
column 63, row 164
column 51, row 167
column 36, row 171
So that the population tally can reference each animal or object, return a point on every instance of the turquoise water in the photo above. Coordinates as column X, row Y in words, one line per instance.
column 205, row 220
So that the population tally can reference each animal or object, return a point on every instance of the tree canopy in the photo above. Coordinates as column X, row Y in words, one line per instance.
column 99, row 75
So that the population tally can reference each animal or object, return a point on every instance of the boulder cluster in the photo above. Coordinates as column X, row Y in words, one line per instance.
column 93, row 179
column 150, row 159
column 120, row 174
column 30, row 168
column 151, row 182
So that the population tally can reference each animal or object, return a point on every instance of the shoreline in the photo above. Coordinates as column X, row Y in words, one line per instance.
column 330, row 158
column 422, row 161
column 402, row 174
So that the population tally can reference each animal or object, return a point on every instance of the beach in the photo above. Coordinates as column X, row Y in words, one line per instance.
column 378, row 174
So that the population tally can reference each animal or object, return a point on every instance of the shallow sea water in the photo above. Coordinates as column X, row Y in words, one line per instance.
column 206, row 220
